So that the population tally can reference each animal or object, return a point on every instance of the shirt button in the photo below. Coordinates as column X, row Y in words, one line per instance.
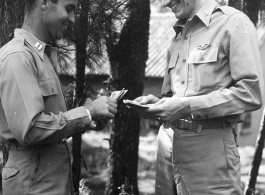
column 184, row 60
column 202, row 58
column 182, row 82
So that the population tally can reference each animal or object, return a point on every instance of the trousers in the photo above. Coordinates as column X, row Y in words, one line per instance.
column 191, row 163
column 38, row 170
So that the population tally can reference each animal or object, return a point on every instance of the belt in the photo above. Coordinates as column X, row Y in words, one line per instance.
column 17, row 146
column 198, row 126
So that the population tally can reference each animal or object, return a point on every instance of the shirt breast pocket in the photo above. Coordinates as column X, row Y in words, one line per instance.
column 203, row 56
column 48, row 87
column 204, row 69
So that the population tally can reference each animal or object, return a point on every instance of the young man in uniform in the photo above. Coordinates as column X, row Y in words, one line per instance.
column 210, row 81
column 34, row 120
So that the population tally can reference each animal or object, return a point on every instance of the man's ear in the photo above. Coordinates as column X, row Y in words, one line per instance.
column 44, row 4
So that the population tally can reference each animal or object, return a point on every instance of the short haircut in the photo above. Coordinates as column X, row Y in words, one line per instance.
column 29, row 4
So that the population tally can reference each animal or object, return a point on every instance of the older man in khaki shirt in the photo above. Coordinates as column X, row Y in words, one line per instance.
column 34, row 120
column 210, row 81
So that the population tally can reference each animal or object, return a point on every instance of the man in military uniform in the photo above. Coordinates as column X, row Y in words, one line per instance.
column 34, row 121
column 210, row 81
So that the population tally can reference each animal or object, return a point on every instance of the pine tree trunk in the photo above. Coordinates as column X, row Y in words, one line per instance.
column 11, row 17
column 251, row 8
column 236, row 4
column 129, row 57
column 81, row 34
column 250, row 186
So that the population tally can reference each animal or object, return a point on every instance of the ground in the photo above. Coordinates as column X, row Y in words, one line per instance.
column 95, row 152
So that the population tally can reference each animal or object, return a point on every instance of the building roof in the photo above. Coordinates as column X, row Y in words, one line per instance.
column 161, row 34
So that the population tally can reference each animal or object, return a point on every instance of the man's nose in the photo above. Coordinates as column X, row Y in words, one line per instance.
column 166, row 3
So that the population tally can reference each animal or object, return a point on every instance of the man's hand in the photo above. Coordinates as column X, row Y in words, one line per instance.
column 150, row 99
column 167, row 109
column 102, row 108
column 170, row 109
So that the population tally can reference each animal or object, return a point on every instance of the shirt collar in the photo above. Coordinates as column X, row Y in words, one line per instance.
column 179, row 26
column 204, row 14
column 33, row 41
column 206, row 11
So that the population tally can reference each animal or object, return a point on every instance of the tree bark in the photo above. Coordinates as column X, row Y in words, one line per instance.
column 11, row 17
column 129, row 58
column 81, row 34
column 250, row 186
column 236, row 4
column 251, row 8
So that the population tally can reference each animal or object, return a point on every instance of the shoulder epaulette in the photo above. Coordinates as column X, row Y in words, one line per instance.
column 13, row 46
column 229, row 10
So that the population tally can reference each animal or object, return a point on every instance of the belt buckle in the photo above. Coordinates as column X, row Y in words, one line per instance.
column 188, row 125
column 193, row 126
column 185, row 124
column 181, row 124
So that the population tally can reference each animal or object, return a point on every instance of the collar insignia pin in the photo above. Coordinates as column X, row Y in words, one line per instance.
column 38, row 46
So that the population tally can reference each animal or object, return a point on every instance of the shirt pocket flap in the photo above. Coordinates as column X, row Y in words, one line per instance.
column 48, row 87
column 203, row 56
column 10, row 172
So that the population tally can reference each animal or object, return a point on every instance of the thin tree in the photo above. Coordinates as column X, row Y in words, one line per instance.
column 81, row 35
column 93, row 18
column 250, row 186
column 128, row 59
column 251, row 8
column 236, row 4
